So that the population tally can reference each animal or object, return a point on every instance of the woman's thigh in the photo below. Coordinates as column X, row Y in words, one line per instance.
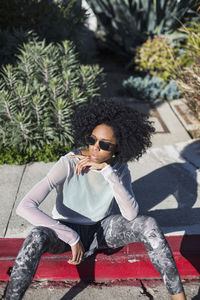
column 120, row 231
column 52, row 243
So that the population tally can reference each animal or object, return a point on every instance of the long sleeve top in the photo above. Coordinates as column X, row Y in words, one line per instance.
column 83, row 199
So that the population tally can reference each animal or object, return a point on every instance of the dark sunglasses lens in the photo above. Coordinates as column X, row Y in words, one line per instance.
column 104, row 146
column 91, row 140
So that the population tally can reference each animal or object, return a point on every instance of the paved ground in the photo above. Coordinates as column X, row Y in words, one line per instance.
column 82, row 292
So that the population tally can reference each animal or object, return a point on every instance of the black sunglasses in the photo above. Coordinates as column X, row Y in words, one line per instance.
column 106, row 146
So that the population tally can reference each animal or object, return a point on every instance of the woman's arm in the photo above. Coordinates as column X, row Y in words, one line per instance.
column 122, row 191
column 28, row 207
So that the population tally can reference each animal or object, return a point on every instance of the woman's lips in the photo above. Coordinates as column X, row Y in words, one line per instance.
column 94, row 156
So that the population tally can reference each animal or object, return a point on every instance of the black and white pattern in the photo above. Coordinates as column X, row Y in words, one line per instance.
column 145, row 229
column 114, row 231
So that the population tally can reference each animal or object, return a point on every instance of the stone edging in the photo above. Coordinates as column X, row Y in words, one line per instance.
column 186, row 117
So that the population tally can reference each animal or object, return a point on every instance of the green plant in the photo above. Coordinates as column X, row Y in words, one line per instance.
column 126, row 24
column 189, row 78
column 38, row 94
column 189, row 83
column 48, row 153
column 159, row 56
column 54, row 21
column 151, row 88
column 43, row 17
column 192, row 45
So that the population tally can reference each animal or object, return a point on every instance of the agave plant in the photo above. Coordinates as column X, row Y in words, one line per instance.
column 126, row 24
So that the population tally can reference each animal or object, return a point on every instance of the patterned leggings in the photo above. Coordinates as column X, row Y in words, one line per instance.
column 119, row 233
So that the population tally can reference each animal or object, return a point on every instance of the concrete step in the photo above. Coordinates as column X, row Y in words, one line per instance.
column 125, row 264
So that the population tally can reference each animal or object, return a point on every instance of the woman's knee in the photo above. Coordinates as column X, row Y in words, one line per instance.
column 144, row 224
column 40, row 238
column 150, row 223
column 150, row 232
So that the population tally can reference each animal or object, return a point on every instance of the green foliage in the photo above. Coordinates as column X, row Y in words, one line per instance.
column 125, row 24
column 48, row 153
column 42, row 16
column 39, row 93
column 54, row 21
column 159, row 56
column 189, row 78
column 192, row 45
column 151, row 88
column 189, row 83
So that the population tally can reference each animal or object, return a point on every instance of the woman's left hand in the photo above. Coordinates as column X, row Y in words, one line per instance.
column 86, row 163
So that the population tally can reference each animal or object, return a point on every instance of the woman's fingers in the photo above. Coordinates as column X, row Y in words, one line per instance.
column 82, row 164
column 77, row 253
column 77, row 155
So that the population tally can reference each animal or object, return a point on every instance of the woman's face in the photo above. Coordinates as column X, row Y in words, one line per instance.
column 103, row 133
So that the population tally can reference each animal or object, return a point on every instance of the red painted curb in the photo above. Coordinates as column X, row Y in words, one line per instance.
column 131, row 262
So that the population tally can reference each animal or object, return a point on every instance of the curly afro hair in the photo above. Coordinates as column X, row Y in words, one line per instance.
column 131, row 128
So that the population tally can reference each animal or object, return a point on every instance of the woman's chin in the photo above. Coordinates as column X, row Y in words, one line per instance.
column 94, row 158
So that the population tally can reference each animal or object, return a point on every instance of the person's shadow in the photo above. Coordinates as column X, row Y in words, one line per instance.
column 177, row 184
column 176, row 180
column 86, row 271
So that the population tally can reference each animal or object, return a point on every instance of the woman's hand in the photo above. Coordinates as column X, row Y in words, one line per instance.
column 86, row 163
column 77, row 253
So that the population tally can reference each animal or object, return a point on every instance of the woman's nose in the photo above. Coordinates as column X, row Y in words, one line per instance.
column 96, row 145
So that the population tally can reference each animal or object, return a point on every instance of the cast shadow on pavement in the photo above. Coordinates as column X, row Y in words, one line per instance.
column 86, row 272
column 169, row 194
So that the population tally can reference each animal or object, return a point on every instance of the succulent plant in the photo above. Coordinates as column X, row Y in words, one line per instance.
column 124, row 24
column 151, row 88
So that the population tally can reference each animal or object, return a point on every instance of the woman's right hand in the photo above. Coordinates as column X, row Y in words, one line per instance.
column 77, row 253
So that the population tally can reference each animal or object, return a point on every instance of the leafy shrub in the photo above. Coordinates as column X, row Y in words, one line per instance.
column 51, row 19
column 189, row 83
column 126, row 24
column 192, row 45
column 159, row 57
column 54, row 21
column 38, row 94
column 48, row 153
column 151, row 88
column 189, row 78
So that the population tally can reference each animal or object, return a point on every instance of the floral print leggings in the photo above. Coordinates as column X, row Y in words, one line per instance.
column 119, row 232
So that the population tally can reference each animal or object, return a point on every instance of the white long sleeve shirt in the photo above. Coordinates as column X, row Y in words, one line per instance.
column 83, row 199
